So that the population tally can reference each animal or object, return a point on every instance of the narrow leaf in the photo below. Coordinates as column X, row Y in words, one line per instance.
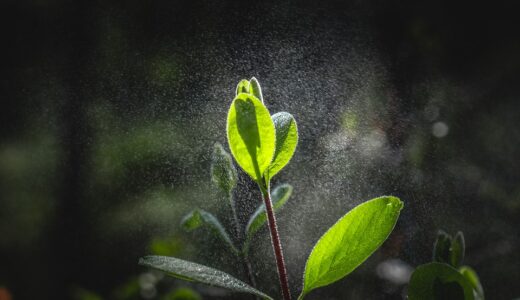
column 350, row 241
column 457, row 250
column 198, row 218
column 438, row 281
column 286, row 141
column 255, row 89
column 251, row 135
column 441, row 247
column 195, row 272
column 223, row 173
column 279, row 196
column 472, row 277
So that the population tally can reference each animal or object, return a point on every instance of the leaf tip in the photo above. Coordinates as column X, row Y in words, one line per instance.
column 394, row 202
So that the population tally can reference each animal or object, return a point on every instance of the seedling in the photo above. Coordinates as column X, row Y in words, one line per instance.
column 262, row 145
column 446, row 277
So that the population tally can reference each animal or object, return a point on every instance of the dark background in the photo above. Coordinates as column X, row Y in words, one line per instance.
column 109, row 110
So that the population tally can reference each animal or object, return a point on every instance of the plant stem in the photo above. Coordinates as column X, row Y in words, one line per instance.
column 277, row 246
column 235, row 215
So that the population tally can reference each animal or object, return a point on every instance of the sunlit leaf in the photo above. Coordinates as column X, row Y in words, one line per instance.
column 223, row 173
column 472, row 277
column 286, row 141
column 279, row 196
column 457, row 250
column 198, row 218
column 350, row 241
column 251, row 135
column 438, row 281
column 243, row 87
column 195, row 272
column 441, row 247
column 255, row 89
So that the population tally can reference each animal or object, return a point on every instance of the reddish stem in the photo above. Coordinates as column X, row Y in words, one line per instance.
column 277, row 246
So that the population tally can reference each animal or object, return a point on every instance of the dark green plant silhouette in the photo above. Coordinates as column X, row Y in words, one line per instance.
column 446, row 277
column 263, row 144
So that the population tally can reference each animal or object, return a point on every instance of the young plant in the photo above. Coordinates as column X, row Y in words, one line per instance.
column 262, row 144
column 446, row 277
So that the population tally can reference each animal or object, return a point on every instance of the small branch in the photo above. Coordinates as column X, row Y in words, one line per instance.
column 235, row 215
column 244, row 256
column 277, row 246
column 250, row 273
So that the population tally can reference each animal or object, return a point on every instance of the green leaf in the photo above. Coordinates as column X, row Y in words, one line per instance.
column 279, row 196
column 457, row 250
column 251, row 135
column 255, row 89
column 198, row 218
column 195, row 272
column 350, row 241
column 243, row 87
column 286, row 141
column 438, row 281
column 441, row 247
column 223, row 173
column 472, row 277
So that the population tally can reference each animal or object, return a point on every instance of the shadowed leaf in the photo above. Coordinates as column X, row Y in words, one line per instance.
column 472, row 277
column 279, row 196
column 457, row 250
column 200, row 218
column 441, row 247
column 199, row 273
column 286, row 141
column 223, row 173
column 438, row 281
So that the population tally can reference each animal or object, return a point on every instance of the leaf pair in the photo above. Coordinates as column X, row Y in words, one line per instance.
column 449, row 250
column 345, row 246
column 262, row 145
column 199, row 218
column 445, row 278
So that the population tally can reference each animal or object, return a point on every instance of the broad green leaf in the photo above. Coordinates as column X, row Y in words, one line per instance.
column 457, row 250
column 286, row 141
column 438, row 281
column 243, row 87
column 441, row 247
column 279, row 196
column 223, row 173
column 198, row 218
column 350, row 241
column 251, row 135
column 472, row 277
column 255, row 89
column 195, row 272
